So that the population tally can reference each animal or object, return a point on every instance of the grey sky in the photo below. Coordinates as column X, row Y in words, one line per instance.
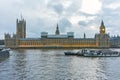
column 79, row 16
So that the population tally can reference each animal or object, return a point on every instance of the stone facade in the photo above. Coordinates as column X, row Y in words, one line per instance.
column 57, row 40
column 115, row 41
column 21, row 28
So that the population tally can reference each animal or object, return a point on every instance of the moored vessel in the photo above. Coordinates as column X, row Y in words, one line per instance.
column 4, row 53
column 101, row 53
column 78, row 53
column 95, row 53
column 70, row 53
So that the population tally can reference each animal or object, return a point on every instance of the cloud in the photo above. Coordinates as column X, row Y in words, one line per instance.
column 83, row 23
column 57, row 8
column 64, row 23
column 111, row 16
column 91, row 7
column 114, row 5
column 78, row 16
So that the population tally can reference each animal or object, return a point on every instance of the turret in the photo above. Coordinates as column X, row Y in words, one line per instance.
column 7, row 36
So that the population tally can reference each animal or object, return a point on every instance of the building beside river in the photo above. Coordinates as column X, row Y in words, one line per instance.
column 57, row 40
column 115, row 41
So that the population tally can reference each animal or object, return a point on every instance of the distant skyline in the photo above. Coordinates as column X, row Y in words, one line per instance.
column 78, row 16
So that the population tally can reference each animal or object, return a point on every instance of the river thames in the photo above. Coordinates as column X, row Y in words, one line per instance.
column 38, row 64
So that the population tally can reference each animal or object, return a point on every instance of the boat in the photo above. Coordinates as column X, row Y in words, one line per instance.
column 78, row 53
column 4, row 53
column 70, row 53
column 94, row 53
column 101, row 53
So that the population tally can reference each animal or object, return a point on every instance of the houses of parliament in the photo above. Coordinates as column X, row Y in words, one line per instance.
column 19, row 40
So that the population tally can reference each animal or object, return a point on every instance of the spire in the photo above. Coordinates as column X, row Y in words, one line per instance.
column 57, row 26
column 102, row 24
column 102, row 28
column 21, row 16
column 57, row 30
column 84, row 35
column 16, row 21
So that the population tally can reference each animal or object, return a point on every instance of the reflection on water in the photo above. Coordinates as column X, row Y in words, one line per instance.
column 54, row 65
column 2, row 59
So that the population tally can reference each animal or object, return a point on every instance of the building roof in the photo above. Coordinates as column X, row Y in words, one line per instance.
column 29, row 38
column 84, row 38
column 114, row 38
column 57, row 36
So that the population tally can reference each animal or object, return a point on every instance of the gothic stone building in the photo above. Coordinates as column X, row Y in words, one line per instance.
column 19, row 40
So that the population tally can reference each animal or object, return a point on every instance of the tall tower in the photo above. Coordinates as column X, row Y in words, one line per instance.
column 102, row 28
column 102, row 39
column 21, row 28
column 57, row 30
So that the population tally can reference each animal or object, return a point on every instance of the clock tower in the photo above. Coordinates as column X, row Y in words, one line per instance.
column 102, row 28
column 102, row 38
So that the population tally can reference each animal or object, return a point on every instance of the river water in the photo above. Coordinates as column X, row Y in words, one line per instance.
column 38, row 64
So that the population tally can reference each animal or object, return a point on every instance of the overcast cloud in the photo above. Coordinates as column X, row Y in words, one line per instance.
column 79, row 16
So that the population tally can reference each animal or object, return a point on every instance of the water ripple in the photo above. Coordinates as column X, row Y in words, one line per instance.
column 54, row 65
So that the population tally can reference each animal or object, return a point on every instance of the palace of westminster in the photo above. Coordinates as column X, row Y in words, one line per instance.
column 19, row 40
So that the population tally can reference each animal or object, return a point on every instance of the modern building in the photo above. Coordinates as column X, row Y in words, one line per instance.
column 57, row 40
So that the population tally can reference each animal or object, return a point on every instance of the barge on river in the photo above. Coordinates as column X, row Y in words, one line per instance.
column 94, row 53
